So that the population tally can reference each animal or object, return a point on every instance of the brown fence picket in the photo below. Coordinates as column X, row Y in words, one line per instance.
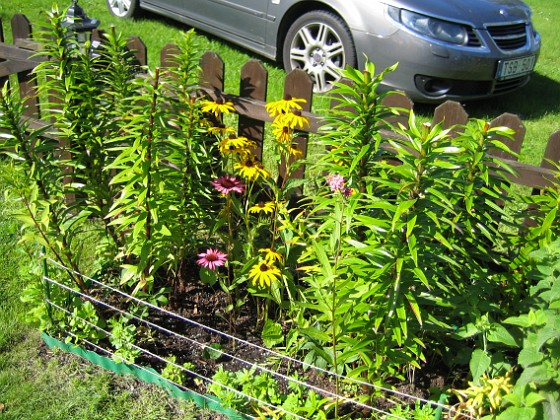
column 167, row 55
column 254, row 85
column 298, row 84
column 514, row 122
column 451, row 113
column 21, row 29
column 138, row 48
column 3, row 79
column 403, row 104
column 212, row 75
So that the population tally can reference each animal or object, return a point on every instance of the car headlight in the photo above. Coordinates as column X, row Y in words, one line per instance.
column 431, row 27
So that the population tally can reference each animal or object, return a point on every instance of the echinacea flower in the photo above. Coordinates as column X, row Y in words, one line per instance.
column 211, row 259
column 226, row 184
column 264, row 273
column 271, row 256
column 335, row 182
column 218, row 107
column 251, row 169
column 284, row 105
column 266, row 208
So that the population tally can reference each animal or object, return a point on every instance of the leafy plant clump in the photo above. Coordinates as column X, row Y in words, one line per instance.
column 406, row 249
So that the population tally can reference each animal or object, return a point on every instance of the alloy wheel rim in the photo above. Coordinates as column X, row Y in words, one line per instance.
column 318, row 50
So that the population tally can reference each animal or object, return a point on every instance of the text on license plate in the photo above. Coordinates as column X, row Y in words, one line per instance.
column 508, row 69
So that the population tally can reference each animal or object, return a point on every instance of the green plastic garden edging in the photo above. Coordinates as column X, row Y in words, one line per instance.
column 145, row 374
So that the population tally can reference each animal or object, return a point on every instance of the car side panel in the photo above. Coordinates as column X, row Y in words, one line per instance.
column 242, row 22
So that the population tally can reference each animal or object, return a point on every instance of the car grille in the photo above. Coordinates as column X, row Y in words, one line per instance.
column 473, row 41
column 503, row 86
column 509, row 37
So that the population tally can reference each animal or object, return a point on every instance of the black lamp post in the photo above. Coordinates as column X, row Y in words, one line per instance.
column 77, row 21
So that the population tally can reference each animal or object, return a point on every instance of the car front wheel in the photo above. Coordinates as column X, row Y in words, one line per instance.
column 319, row 43
column 123, row 8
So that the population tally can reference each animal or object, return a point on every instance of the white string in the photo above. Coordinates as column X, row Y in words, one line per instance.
column 287, row 378
column 247, row 343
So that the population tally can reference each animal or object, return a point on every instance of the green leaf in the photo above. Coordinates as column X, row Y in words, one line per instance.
column 316, row 334
column 529, row 356
column 518, row 413
column 466, row 331
column 480, row 362
column 208, row 276
column 499, row 334
column 272, row 333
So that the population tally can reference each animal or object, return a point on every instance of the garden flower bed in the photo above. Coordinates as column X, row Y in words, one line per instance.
column 400, row 263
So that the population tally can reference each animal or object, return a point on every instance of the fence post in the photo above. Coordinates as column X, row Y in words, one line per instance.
column 451, row 113
column 138, row 48
column 254, row 85
column 298, row 84
column 401, row 103
column 514, row 122
column 21, row 29
column 3, row 80
column 212, row 72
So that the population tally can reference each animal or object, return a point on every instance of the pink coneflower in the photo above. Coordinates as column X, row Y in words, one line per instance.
column 225, row 184
column 335, row 182
column 211, row 259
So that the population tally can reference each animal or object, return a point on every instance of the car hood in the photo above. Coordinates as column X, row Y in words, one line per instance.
column 474, row 12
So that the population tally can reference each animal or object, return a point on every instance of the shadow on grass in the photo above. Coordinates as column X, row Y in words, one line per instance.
column 535, row 100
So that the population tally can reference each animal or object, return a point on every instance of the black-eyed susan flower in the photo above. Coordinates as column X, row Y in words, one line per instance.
column 266, row 208
column 295, row 119
column 284, row 106
column 251, row 169
column 218, row 107
column 271, row 256
column 283, row 132
column 264, row 273
column 233, row 145
column 221, row 130
column 295, row 151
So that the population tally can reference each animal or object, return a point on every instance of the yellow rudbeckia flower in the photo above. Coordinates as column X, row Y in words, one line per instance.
column 284, row 106
column 264, row 273
column 271, row 256
column 266, row 208
column 218, row 107
column 251, row 169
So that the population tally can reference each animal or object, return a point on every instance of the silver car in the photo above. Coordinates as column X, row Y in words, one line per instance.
column 446, row 49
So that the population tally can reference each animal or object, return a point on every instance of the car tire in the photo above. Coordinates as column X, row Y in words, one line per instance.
column 124, row 9
column 320, row 43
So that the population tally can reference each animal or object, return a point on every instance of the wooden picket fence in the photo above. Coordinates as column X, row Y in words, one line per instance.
column 250, row 102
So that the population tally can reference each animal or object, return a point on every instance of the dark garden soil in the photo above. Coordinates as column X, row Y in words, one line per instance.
column 205, row 306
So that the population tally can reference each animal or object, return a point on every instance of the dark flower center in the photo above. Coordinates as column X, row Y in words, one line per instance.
column 263, row 268
column 228, row 183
